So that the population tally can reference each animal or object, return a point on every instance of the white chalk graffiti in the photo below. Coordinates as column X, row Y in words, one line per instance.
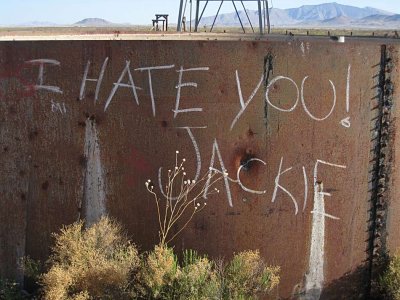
column 58, row 107
column 118, row 84
column 348, row 89
column 149, row 69
column 305, row 189
column 196, row 149
column 126, row 72
column 98, row 80
column 217, row 155
column 131, row 84
column 273, row 81
column 40, row 81
column 180, row 85
column 305, row 106
column 240, row 182
column 278, row 186
column 125, row 80
column 346, row 121
column 223, row 171
column 299, row 96
column 321, row 192
column 242, row 103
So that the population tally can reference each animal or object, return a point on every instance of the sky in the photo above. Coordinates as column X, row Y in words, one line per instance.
column 140, row 12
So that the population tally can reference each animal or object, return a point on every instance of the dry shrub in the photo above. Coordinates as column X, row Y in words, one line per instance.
column 158, row 273
column 101, row 263
column 247, row 276
column 162, row 277
column 198, row 278
column 94, row 263
column 389, row 282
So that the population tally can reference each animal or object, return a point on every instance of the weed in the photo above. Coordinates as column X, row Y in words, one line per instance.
column 186, row 204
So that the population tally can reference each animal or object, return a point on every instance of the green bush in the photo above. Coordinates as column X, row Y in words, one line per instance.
column 158, row 274
column 198, row 278
column 94, row 263
column 247, row 276
column 32, row 269
column 389, row 282
column 162, row 277
column 10, row 290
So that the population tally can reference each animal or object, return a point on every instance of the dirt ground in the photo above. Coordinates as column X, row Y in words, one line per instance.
column 134, row 32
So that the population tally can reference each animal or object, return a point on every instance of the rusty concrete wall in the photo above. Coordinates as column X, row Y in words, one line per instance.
column 83, row 124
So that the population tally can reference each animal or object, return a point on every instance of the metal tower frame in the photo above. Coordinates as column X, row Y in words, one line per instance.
column 263, row 13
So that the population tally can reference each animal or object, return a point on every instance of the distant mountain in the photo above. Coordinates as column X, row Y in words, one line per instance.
column 37, row 24
column 322, row 15
column 93, row 22
column 88, row 22
column 327, row 11
column 280, row 17
column 381, row 21
column 336, row 21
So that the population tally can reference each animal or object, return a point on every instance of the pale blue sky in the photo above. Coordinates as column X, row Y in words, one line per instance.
column 134, row 11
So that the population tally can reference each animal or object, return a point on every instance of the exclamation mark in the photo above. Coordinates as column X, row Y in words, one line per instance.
column 346, row 121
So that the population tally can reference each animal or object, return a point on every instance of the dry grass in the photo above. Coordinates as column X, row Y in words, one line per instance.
column 43, row 31
column 116, row 31
column 310, row 31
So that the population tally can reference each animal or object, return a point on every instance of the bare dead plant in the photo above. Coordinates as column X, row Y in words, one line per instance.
column 188, row 202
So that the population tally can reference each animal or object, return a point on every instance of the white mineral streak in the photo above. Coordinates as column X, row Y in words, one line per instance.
column 94, row 185
column 315, row 275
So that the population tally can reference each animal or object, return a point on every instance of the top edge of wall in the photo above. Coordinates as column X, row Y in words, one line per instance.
column 187, row 37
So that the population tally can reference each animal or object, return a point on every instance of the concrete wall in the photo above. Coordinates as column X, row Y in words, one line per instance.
column 307, row 109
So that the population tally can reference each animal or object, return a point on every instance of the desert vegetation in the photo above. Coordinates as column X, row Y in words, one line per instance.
column 101, row 262
column 389, row 281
